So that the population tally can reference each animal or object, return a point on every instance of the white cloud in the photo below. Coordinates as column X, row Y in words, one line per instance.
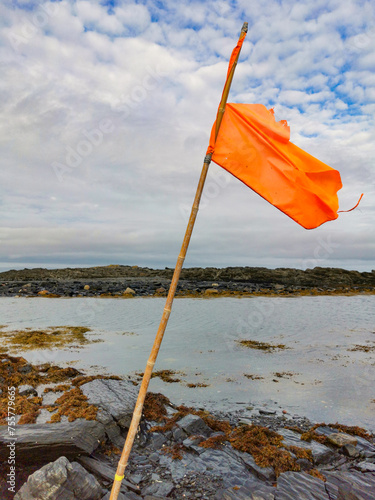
column 94, row 16
column 134, row 16
column 157, row 74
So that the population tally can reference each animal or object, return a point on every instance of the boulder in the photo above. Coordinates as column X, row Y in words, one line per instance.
column 340, row 439
column 47, row 442
column 63, row 480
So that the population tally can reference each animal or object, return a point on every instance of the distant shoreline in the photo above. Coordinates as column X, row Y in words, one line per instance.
column 130, row 281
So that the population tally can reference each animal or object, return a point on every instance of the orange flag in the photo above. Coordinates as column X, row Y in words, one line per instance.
column 255, row 148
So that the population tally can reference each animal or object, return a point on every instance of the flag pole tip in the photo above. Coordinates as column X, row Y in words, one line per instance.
column 245, row 27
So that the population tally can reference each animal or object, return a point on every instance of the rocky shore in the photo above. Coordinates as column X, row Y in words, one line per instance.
column 70, row 428
column 130, row 281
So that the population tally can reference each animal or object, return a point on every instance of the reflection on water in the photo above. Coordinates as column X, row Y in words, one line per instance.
column 317, row 375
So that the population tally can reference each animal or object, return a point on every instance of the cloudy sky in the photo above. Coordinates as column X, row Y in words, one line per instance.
column 106, row 109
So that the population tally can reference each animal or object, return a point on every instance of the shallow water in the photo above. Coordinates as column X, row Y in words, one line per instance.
column 321, row 378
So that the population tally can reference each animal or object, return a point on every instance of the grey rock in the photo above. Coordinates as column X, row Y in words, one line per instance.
column 321, row 453
column 178, row 434
column 245, row 421
column 136, row 478
column 350, row 451
column 51, row 441
column 354, row 485
column 60, row 480
column 154, row 458
column 116, row 397
column 113, row 433
column 364, row 446
column 267, row 412
column 192, row 424
column 366, row 466
column 192, row 444
column 192, row 441
column 217, row 463
column 161, row 489
column 49, row 398
column 27, row 390
column 156, row 441
column 345, row 492
column 264, row 473
column 341, row 439
column 305, row 464
column 105, row 470
column 44, row 416
column 301, row 486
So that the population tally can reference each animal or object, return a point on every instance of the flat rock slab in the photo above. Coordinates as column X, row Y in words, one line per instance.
column 106, row 471
column 354, row 485
column 60, row 480
column 321, row 453
column 116, row 399
column 47, row 442
column 217, row 463
column 300, row 486
column 160, row 489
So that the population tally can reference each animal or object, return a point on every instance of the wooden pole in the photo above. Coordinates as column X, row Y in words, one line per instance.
column 168, row 305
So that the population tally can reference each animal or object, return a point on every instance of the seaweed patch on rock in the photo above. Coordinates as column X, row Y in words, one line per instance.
column 72, row 404
column 16, row 371
column 48, row 338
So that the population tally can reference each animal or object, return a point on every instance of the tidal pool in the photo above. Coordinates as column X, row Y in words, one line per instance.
column 325, row 371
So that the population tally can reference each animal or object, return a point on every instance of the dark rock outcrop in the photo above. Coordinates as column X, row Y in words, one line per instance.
column 48, row 442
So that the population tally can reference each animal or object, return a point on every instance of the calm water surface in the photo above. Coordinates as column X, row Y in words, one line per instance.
column 321, row 377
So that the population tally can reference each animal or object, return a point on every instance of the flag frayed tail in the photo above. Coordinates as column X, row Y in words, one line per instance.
column 256, row 149
column 355, row 206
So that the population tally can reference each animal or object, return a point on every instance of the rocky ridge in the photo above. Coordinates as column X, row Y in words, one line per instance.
column 128, row 281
